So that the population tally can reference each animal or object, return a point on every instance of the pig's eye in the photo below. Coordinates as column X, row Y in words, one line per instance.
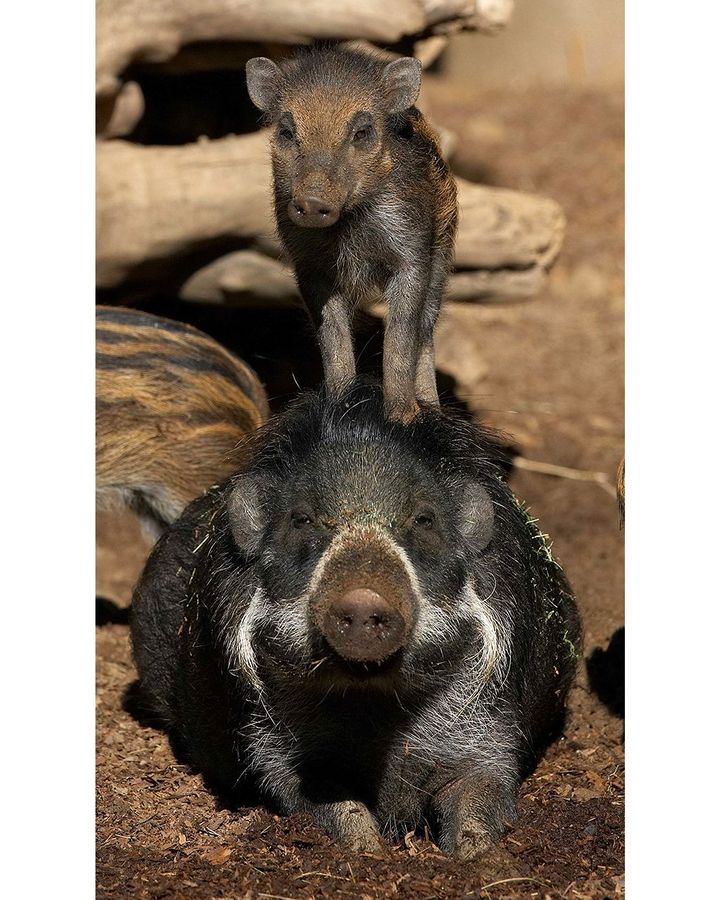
column 285, row 134
column 424, row 520
column 362, row 135
column 361, row 130
column 301, row 518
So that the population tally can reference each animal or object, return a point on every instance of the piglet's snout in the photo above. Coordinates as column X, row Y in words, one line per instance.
column 362, row 626
column 308, row 211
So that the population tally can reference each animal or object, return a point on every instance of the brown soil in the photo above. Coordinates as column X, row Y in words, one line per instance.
column 548, row 371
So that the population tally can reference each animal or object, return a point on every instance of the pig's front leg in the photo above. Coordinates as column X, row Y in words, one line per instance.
column 472, row 812
column 331, row 313
column 405, row 293
column 349, row 822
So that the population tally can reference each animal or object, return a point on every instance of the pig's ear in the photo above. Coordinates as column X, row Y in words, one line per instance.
column 401, row 83
column 477, row 516
column 246, row 513
column 264, row 81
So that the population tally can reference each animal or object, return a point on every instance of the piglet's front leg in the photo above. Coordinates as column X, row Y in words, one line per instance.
column 472, row 812
column 405, row 293
column 331, row 313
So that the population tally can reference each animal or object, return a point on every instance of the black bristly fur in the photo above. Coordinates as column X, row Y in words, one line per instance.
column 435, row 734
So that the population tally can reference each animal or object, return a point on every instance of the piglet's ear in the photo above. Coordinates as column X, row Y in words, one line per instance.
column 477, row 516
column 246, row 513
column 401, row 83
column 264, row 81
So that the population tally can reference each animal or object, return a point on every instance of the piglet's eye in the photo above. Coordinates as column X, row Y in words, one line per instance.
column 286, row 134
column 360, row 135
column 424, row 520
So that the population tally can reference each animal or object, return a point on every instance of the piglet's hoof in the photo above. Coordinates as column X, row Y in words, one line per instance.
column 404, row 413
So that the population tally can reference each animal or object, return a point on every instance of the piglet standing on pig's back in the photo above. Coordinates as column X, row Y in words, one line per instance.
column 364, row 624
column 364, row 204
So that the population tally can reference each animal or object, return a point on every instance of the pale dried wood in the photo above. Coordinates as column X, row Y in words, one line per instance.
column 243, row 278
column 158, row 203
column 505, row 229
column 251, row 279
column 122, row 114
column 130, row 31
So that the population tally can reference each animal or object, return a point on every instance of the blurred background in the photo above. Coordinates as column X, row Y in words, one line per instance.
column 558, row 42
column 528, row 99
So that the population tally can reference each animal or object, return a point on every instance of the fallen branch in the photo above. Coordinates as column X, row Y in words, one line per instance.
column 546, row 468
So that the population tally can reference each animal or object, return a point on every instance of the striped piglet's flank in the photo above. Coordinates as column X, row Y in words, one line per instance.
column 173, row 409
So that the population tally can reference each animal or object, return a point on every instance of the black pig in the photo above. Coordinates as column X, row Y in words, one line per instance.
column 364, row 204
column 364, row 624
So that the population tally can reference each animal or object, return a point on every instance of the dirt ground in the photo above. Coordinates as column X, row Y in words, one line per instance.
column 550, row 372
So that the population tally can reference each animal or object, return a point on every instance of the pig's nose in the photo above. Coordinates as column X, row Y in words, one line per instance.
column 312, row 212
column 363, row 627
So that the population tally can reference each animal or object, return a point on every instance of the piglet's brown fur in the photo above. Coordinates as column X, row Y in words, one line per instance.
column 365, row 206
column 173, row 408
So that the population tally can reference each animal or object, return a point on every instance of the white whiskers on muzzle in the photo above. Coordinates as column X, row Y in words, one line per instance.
column 239, row 642
column 290, row 629
column 492, row 660
column 490, row 650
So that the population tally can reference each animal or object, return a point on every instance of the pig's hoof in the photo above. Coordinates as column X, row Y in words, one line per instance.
column 364, row 843
column 472, row 840
column 356, row 828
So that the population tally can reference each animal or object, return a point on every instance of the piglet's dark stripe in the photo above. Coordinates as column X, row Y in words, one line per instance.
column 174, row 409
column 147, row 361
column 137, row 319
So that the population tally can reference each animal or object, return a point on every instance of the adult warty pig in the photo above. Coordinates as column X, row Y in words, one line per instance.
column 364, row 624
column 365, row 205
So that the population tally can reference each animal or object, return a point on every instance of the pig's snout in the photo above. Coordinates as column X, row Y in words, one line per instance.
column 309, row 211
column 362, row 626
column 363, row 601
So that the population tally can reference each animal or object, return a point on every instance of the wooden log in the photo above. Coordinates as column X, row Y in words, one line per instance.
column 245, row 278
column 502, row 229
column 130, row 31
column 251, row 279
column 490, row 16
column 157, row 206
column 157, row 203
column 118, row 116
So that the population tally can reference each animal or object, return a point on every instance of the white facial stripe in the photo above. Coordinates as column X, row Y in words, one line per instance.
column 289, row 619
column 494, row 657
column 243, row 648
column 434, row 625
